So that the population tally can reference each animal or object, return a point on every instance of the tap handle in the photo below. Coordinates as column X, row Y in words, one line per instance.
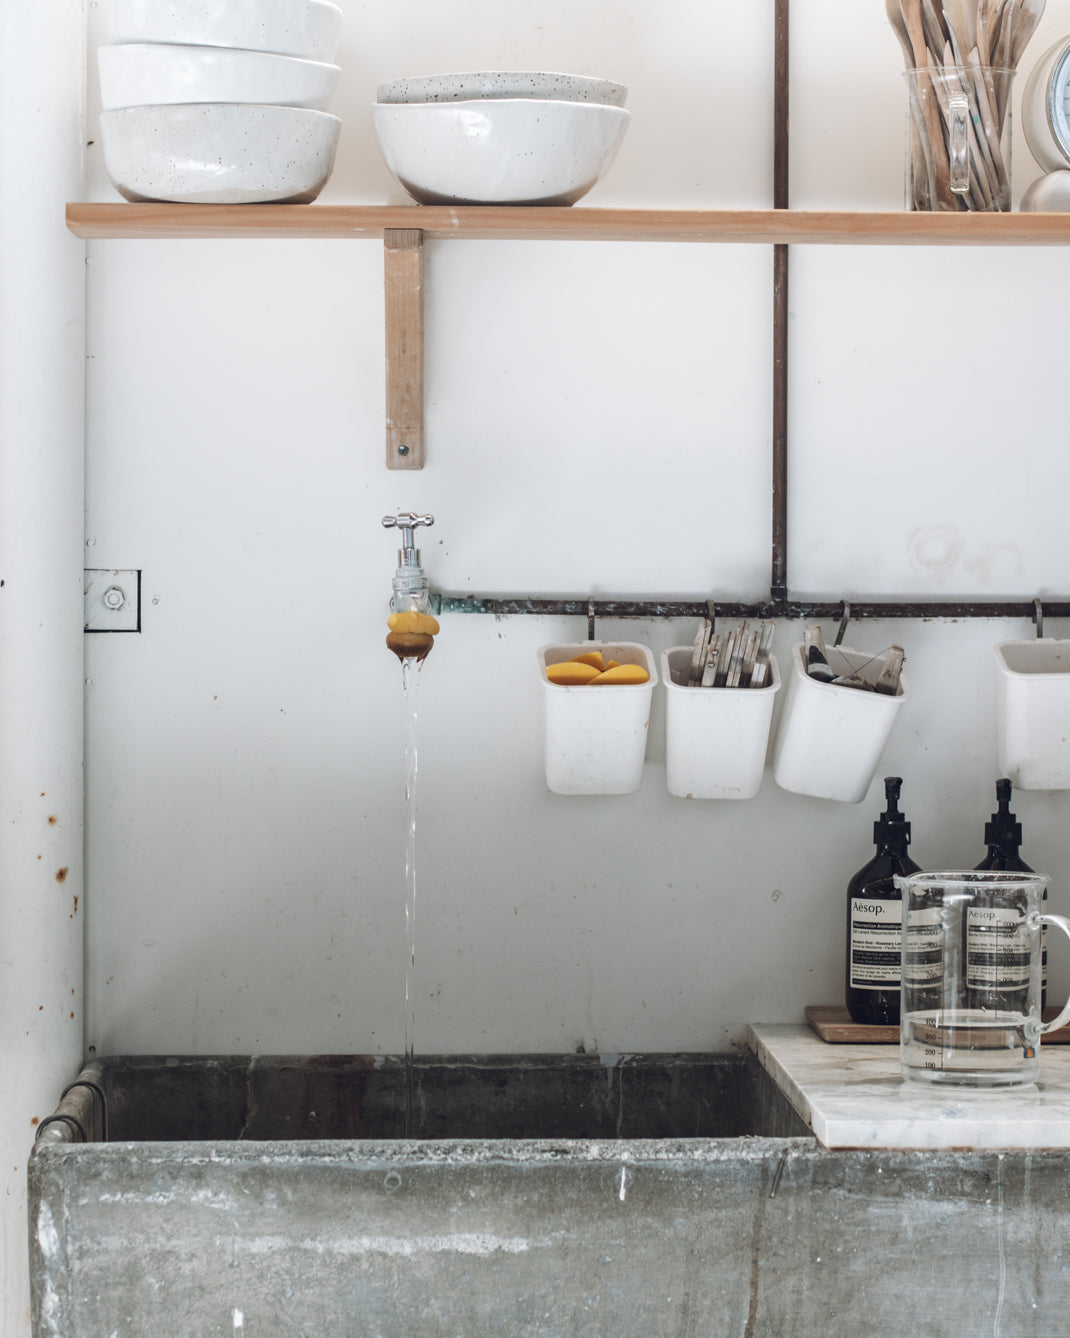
column 406, row 522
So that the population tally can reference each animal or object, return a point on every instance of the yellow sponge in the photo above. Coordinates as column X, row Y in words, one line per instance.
column 593, row 657
column 622, row 673
column 571, row 674
column 409, row 621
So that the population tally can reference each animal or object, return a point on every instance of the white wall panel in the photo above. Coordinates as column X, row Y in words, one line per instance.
column 42, row 311
column 926, row 397
column 598, row 422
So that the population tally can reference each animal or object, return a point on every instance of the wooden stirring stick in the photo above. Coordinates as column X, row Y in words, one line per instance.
column 911, row 11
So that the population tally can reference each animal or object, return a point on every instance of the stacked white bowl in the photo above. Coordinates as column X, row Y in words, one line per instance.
column 203, row 102
column 499, row 137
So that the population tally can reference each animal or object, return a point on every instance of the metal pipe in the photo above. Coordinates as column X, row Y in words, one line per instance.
column 778, row 579
column 781, row 67
column 506, row 606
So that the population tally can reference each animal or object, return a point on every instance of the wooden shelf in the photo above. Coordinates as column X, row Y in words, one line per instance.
column 404, row 228
column 522, row 223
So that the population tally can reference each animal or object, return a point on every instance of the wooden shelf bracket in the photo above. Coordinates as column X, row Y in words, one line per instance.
column 403, row 258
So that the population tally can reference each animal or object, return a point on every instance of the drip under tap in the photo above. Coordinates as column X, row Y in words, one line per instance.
column 412, row 626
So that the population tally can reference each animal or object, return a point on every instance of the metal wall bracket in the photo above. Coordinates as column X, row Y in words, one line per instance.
column 112, row 600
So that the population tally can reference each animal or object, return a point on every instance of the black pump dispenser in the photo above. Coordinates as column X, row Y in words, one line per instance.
column 891, row 831
column 1003, row 837
column 875, row 919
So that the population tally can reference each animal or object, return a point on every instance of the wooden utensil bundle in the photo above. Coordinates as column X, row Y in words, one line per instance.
column 962, row 55
column 737, row 659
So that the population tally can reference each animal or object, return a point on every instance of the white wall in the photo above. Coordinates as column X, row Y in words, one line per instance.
column 598, row 421
column 42, row 346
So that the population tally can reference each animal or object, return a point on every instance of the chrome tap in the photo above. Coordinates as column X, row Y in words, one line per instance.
column 412, row 628
column 411, row 587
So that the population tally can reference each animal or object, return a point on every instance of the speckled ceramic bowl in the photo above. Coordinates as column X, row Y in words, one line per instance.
column 219, row 153
column 309, row 28
column 140, row 74
column 500, row 151
column 502, row 84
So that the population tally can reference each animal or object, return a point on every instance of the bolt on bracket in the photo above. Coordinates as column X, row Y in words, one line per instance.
column 112, row 600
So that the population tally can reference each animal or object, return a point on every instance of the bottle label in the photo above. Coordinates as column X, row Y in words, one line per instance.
column 997, row 949
column 876, row 943
column 922, row 955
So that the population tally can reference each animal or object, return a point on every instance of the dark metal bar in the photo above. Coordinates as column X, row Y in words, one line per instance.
column 515, row 605
column 778, row 578
column 779, row 562
column 780, row 105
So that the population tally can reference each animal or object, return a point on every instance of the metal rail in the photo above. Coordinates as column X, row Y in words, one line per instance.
column 505, row 606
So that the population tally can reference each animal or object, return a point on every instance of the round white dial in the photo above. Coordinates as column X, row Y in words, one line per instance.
column 1046, row 108
column 1059, row 102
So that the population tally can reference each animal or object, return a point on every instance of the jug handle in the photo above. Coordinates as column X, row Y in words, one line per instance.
column 1061, row 922
column 958, row 110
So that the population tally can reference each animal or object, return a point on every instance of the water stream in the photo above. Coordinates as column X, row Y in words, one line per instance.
column 410, row 670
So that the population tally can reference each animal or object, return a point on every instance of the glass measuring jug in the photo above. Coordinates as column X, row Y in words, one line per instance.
column 971, row 973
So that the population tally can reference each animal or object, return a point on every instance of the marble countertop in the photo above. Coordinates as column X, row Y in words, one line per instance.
column 853, row 1096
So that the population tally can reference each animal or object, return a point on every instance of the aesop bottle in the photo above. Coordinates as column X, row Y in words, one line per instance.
column 875, row 920
column 1003, row 837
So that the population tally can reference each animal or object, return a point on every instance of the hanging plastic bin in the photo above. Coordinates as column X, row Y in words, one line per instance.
column 716, row 739
column 595, row 734
column 1033, row 713
column 831, row 737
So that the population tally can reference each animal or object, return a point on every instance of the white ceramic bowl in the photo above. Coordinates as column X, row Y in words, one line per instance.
column 309, row 28
column 142, row 74
column 502, row 84
column 219, row 153
column 507, row 151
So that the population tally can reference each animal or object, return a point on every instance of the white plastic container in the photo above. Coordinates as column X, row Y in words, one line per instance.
column 1033, row 713
column 831, row 738
column 716, row 739
column 596, row 736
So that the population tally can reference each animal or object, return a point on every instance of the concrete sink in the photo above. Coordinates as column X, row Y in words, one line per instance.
column 547, row 1197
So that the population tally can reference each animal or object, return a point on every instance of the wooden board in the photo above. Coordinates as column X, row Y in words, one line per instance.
column 403, row 257
column 833, row 1024
column 538, row 222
